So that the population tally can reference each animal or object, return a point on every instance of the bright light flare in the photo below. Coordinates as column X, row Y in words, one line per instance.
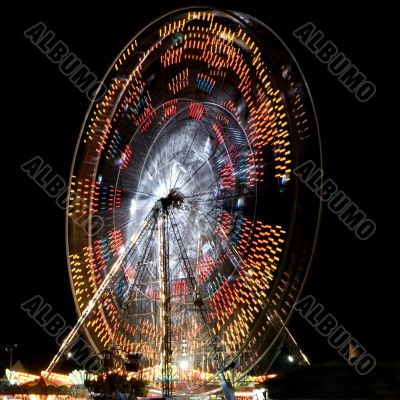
column 184, row 364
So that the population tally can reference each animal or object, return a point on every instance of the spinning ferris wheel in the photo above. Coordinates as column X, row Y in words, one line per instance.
column 194, row 235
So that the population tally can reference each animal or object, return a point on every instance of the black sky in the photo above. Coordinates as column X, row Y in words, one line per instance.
column 43, row 112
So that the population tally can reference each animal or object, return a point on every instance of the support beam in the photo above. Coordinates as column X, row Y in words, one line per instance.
column 165, row 309
column 199, row 304
column 119, row 264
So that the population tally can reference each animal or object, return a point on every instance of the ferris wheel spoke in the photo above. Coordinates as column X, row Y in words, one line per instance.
column 192, row 175
column 171, row 172
column 185, row 158
column 212, row 193
column 142, row 193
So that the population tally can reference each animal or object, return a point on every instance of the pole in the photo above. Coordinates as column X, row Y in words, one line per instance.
column 165, row 317
column 10, row 348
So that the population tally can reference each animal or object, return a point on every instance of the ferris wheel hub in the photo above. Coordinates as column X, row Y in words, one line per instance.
column 174, row 199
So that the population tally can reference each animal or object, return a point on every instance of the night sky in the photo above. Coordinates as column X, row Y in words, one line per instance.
column 43, row 113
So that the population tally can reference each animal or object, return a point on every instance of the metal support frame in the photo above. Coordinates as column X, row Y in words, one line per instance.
column 162, row 216
column 117, row 266
column 165, row 309
column 289, row 340
column 127, row 302
column 199, row 304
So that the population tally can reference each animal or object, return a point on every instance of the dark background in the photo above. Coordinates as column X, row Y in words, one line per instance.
column 43, row 112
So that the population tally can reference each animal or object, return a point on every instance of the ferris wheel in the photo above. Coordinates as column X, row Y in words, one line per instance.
column 189, row 236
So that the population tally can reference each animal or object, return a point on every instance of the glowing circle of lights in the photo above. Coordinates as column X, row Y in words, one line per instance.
column 211, row 105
